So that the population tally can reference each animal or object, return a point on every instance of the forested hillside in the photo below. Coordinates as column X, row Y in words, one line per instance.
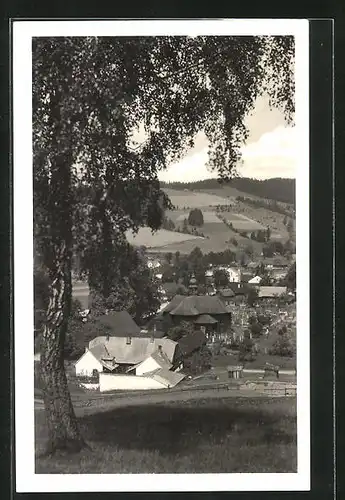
column 278, row 189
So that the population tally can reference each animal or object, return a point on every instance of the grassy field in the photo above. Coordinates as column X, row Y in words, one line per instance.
column 160, row 238
column 215, row 243
column 265, row 217
column 196, row 436
column 194, row 199
column 223, row 360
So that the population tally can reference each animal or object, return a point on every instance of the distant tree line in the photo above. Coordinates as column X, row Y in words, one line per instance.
column 272, row 205
column 278, row 189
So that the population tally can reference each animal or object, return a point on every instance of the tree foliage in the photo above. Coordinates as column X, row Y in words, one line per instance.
column 129, row 283
column 195, row 217
column 93, row 180
column 290, row 278
column 252, row 297
column 221, row 278
column 178, row 331
column 198, row 362
column 283, row 346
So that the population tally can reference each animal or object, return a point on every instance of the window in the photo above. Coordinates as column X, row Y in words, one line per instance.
column 129, row 340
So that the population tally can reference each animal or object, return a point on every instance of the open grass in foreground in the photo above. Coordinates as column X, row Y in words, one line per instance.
column 196, row 436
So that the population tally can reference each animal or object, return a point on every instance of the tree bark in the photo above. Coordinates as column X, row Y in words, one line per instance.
column 63, row 429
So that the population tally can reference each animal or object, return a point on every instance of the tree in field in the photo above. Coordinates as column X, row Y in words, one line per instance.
column 93, row 181
column 195, row 217
column 246, row 350
column 185, row 228
column 290, row 279
column 169, row 258
column 262, row 236
column 283, row 346
column 252, row 297
column 196, row 265
column 249, row 250
column 221, row 278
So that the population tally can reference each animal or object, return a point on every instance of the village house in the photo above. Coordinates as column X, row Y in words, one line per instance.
column 119, row 354
column 270, row 294
column 125, row 363
column 277, row 262
column 207, row 313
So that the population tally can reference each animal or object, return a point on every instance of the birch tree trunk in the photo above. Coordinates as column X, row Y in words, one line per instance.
column 63, row 429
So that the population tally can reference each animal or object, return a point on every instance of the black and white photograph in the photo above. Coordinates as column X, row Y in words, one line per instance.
column 161, row 211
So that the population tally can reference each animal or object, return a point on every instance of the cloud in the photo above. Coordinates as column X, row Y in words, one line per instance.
column 272, row 155
column 191, row 168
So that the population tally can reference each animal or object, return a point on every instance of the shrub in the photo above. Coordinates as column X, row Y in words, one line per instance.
column 198, row 362
column 256, row 329
column 246, row 350
column 283, row 347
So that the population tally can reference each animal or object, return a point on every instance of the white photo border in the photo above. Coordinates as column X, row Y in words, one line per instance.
column 26, row 479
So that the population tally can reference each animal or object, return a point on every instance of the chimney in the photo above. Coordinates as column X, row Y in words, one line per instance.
column 86, row 349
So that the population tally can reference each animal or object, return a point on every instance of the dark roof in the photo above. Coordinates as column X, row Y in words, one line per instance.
column 191, row 342
column 205, row 319
column 174, row 303
column 120, row 324
column 245, row 277
column 194, row 305
column 157, row 334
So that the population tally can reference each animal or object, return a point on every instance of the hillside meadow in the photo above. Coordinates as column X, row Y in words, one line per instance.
column 191, row 199
column 217, row 435
column 217, row 235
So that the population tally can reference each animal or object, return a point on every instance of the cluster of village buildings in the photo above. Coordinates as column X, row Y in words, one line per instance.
column 132, row 358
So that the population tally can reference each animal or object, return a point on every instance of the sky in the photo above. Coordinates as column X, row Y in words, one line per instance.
column 270, row 150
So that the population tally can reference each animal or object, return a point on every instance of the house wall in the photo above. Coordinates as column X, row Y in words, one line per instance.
column 109, row 382
column 147, row 366
column 86, row 364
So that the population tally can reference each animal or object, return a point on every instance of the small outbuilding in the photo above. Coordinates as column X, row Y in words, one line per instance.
column 235, row 372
